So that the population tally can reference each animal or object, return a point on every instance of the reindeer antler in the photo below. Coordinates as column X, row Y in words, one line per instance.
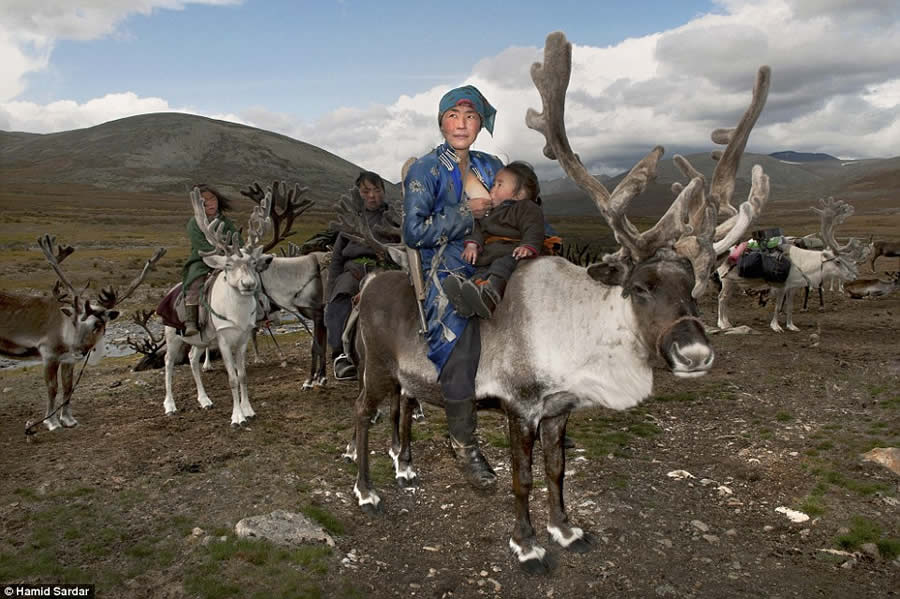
column 223, row 243
column 833, row 213
column 689, row 223
column 354, row 222
column 47, row 244
column 109, row 297
column 145, row 346
column 286, row 207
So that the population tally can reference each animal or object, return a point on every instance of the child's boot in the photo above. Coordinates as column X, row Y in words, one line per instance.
column 483, row 296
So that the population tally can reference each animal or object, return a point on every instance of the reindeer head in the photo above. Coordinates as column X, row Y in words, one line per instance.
column 240, row 264
column 664, row 269
column 842, row 261
column 87, row 320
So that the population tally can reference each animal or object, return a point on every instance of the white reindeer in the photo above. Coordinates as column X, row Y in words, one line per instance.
column 232, row 308
column 809, row 268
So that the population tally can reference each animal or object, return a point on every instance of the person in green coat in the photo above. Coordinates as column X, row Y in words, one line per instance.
column 195, row 269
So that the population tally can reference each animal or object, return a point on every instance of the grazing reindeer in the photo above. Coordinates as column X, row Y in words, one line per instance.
column 296, row 283
column 809, row 268
column 889, row 249
column 61, row 330
column 231, row 311
column 567, row 337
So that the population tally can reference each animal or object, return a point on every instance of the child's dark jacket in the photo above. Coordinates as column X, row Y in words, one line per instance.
column 520, row 222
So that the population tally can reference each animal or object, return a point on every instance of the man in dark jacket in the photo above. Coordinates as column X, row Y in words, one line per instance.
column 350, row 262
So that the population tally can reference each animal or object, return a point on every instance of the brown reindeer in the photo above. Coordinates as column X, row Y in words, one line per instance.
column 566, row 337
column 889, row 249
column 62, row 329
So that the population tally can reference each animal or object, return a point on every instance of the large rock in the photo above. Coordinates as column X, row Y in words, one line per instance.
column 889, row 457
column 283, row 528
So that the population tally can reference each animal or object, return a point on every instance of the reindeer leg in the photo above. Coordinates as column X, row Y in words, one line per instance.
column 822, row 297
column 789, row 310
column 779, row 305
column 194, row 357
column 724, row 294
column 368, row 500
column 65, row 416
column 207, row 362
column 51, row 368
column 401, row 452
column 552, row 431
column 226, row 342
column 806, row 298
column 240, row 365
column 523, row 542
column 319, row 346
column 174, row 346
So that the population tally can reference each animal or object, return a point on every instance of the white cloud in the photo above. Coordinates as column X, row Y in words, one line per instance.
column 28, row 29
column 835, row 88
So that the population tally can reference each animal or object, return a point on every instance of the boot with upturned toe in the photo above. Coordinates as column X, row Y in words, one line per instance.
column 191, row 315
column 461, row 421
column 344, row 369
column 482, row 295
column 453, row 288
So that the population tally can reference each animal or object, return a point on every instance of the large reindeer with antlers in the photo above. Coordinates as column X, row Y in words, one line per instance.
column 809, row 268
column 295, row 283
column 567, row 337
column 231, row 308
column 62, row 329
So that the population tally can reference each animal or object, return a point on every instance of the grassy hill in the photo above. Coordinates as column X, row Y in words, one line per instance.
column 166, row 152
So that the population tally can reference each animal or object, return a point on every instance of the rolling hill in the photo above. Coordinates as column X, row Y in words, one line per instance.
column 167, row 152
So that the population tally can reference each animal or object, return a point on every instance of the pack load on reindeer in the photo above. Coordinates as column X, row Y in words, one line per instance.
column 761, row 257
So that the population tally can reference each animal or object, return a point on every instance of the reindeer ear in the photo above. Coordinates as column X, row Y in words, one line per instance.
column 399, row 256
column 215, row 261
column 608, row 273
column 264, row 262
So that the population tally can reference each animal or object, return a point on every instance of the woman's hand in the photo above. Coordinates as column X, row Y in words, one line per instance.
column 480, row 206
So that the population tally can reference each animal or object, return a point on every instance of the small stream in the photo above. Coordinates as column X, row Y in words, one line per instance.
column 117, row 334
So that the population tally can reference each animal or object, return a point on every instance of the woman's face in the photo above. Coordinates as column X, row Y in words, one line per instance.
column 371, row 194
column 210, row 203
column 460, row 126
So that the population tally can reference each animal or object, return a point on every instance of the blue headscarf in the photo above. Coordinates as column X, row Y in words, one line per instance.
column 469, row 94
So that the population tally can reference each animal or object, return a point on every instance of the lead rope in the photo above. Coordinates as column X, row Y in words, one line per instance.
column 29, row 426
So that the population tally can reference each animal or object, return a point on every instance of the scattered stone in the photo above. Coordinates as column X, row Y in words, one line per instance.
column 731, row 532
column 680, row 474
column 7, row 389
column 699, row 525
column 283, row 528
column 724, row 491
column 666, row 590
column 711, row 538
column 889, row 457
column 667, row 543
column 870, row 549
column 768, row 528
column 197, row 531
column 792, row 515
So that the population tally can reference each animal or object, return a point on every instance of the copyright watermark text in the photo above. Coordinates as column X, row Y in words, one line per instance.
column 47, row 590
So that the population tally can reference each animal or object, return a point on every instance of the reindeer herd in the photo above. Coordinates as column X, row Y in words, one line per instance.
column 605, row 322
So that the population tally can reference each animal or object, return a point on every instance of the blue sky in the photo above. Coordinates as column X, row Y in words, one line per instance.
column 310, row 57
column 362, row 79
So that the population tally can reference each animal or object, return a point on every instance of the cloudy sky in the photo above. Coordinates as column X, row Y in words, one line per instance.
column 362, row 78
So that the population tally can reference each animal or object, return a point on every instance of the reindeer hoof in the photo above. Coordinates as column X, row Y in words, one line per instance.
column 535, row 566
column 408, row 483
column 582, row 545
column 372, row 510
